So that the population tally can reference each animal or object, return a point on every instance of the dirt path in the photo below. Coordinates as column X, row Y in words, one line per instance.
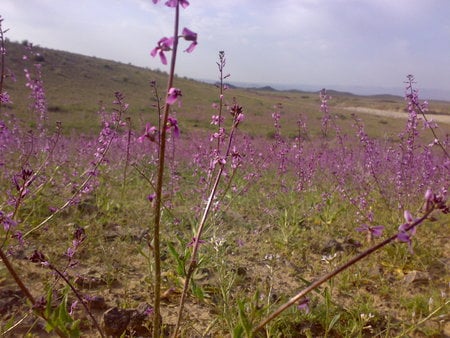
column 397, row 114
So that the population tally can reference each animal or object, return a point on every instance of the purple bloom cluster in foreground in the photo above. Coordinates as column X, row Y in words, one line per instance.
column 407, row 230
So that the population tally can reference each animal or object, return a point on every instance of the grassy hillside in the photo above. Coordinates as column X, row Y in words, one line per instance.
column 271, row 215
column 76, row 85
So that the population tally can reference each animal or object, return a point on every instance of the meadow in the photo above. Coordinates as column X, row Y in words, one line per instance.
column 136, row 203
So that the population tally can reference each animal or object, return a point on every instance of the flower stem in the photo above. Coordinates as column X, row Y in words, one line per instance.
column 199, row 232
column 159, row 185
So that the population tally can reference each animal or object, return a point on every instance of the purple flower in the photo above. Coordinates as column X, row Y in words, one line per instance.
column 151, row 197
column 304, row 305
column 40, row 304
column 164, row 45
column 148, row 310
column 376, row 231
column 73, row 307
column 189, row 35
column 173, row 95
column 4, row 98
column 173, row 123
column 194, row 241
column 19, row 236
column 79, row 235
column 408, row 216
column 173, row 3
column 405, row 231
column 429, row 196
column 70, row 252
column 38, row 257
column 240, row 242
column 216, row 119
column 150, row 133
column 406, row 236
column 7, row 221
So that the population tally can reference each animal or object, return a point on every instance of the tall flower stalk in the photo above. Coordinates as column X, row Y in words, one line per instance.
column 220, row 161
column 414, row 104
column 164, row 45
column 4, row 97
column 159, row 186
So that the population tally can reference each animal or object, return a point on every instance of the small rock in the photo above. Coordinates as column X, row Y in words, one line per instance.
column 89, row 282
column 141, row 320
column 134, row 321
column 417, row 277
column 96, row 303
column 115, row 321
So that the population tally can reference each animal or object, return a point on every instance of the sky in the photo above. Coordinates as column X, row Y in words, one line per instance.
column 356, row 45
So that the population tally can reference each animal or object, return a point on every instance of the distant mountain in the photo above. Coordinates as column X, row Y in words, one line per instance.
column 376, row 91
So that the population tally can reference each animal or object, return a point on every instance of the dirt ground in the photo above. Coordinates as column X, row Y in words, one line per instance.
column 441, row 118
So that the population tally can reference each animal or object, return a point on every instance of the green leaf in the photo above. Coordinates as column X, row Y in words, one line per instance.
column 334, row 321
column 238, row 331
column 247, row 326
column 197, row 290
column 181, row 269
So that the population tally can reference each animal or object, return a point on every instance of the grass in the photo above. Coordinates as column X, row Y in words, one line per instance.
column 76, row 85
column 269, row 238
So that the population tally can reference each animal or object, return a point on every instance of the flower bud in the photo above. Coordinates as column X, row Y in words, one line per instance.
column 408, row 216
column 429, row 196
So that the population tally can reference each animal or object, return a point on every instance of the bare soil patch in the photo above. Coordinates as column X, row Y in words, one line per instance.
column 442, row 118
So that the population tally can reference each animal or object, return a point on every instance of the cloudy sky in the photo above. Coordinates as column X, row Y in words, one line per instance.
column 344, row 44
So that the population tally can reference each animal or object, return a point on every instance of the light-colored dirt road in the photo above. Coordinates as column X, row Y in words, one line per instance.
column 397, row 114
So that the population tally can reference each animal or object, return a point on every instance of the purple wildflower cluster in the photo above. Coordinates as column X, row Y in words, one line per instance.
column 36, row 85
column 5, row 73
column 326, row 117
column 407, row 230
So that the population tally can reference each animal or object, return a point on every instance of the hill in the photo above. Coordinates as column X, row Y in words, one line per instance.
column 76, row 86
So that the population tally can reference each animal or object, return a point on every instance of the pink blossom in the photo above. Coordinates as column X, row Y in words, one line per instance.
column 4, row 98
column 173, row 95
column 408, row 216
column 164, row 45
column 173, row 3
column 194, row 242
column 151, row 197
column 375, row 231
column 150, row 133
column 304, row 305
column 189, row 35
column 173, row 123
